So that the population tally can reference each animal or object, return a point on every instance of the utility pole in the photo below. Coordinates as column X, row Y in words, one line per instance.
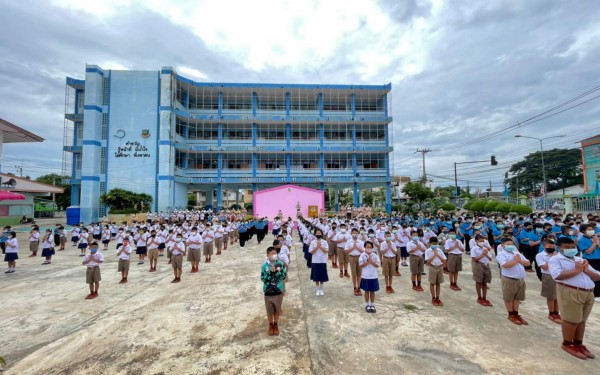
column 423, row 152
column 20, row 169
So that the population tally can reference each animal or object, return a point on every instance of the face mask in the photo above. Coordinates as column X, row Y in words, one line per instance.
column 371, row 235
column 415, row 238
column 590, row 233
column 388, row 238
column 334, row 228
column 500, row 226
column 509, row 233
column 510, row 248
column 455, row 225
column 558, row 223
column 355, row 236
column 319, row 236
column 527, row 229
column 273, row 257
column 480, row 244
column 395, row 231
column 570, row 253
column 434, row 247
column 194, row 232
column 453, row 236
column 178, row 239
column 362, row 232
column 570, row 233
column 343, row 231
column 477, row 227
column 369, row 250
column 549, row 249
column 538, row 230
column 93, row 250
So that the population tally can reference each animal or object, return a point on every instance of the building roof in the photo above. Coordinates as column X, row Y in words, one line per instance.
column 260, row 192
column 13, row 133
column 30, row 186
column 590, row 139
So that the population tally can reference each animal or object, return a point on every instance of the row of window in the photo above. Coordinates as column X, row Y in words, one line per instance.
column 210, row 131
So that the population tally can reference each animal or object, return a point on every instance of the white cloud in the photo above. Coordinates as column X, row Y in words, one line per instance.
column 195, row 73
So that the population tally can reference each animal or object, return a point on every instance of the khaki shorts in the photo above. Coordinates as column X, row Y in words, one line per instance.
column 207, row 249
column 123, row 265
column 177, row 261
column 416, row 264
column 273, row 304
column 342, row 256
column 548, row 286
column 513, row 289
column 389, row 266
column 63, row 240
column 153, row 254
column 355, row 270
column 194, row 255
column 92, row 275
column 219, row 243
column 436, row 275
column 454, row 263
column 482, row 273
column 575, row 305
column 332, row 248
column 34, row 246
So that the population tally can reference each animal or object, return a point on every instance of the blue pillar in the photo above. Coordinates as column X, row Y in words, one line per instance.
column 254, row 188
column 337, row 200
column 388, row 197
column 186, row 100
column 254, row 103
column 184, row 160
column 385, row 105
column 387, row 155
column 287, row 105
column 321, row 135
column 220, row 104
column 354, row 165
column 322, row 164
column 353, row 135
column 353, row 104
column 219, row 196
column 254, row 165
column 355, row 194
column 219, row 164
column 288, row 134
column 288, row 164
column 184, row 132
column 219, row 134
column 322, row 187
column 320, row 104
column 254, row 134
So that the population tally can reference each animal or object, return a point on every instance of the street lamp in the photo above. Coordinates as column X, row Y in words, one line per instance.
column 543, row 164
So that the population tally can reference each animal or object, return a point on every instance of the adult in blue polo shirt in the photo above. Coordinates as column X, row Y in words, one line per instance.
column 466, row 231
column 589, row 245
column 529, row 242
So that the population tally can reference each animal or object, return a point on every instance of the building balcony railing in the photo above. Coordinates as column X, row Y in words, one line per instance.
column 75, row 117
column 72, row 148
column 280, row 147
column 281, row 180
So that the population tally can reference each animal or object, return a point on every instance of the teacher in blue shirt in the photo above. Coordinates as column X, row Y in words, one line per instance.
column 590, row 249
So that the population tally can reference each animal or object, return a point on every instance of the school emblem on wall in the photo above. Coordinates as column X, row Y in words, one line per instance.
column 145, row 133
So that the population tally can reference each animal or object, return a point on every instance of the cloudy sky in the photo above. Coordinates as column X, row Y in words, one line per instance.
column 460, row 70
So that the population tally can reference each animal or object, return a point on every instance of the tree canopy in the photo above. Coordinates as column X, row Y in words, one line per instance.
column 125, row 200
column 62, row 200
column 563, row 169
column 417, row 191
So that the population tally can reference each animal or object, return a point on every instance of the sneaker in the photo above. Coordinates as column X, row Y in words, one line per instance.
column 346, row 274
column 46, row 262
column 523, row 321
column 373, row 309
column 583, row 350
column 317, row 293
column 481, row 301
column 488, row 303
column 514, row 319
column 415, row 288
column 553, row 318
column 392, row 290
column 398, row 273
column 81, row 255
column 275, row 329
column 387, row 289
column 270, row 333
column 8, row 271
column 434, row 302
column 423, row 273
column 573, row 350
column 322, row 292
column 419, row 288
column 90, row 296
column 174, row 281
column 341, row 275
column 439, row 302
column 368, row 309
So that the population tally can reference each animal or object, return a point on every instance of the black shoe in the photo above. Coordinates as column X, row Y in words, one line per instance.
column 368, row 309
column 373, row 309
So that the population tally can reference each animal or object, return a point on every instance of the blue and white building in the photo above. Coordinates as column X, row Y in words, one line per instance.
column 163, row 134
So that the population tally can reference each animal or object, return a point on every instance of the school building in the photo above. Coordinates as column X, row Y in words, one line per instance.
column 163, row 134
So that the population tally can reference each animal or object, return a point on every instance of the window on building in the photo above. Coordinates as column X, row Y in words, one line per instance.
column 370, row 160
column 305, row 161
column 274, row 161
column 202, row 160
column 305, row 132
column 271, row 132
column 202, row 131
column 370, row 132
column 237, row 132
column 237, row 99
column 338, row 132
column 237, row 161
column 338, row 161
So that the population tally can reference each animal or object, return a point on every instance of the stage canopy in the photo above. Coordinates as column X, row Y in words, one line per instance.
column 288, row 199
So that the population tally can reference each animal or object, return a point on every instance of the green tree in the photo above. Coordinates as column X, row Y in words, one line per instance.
column 563, row 169
column 125, row 200
column 62, row 200
column 417, row 191
column 447, row 191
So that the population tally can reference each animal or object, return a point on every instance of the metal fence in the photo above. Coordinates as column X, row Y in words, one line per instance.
column 587, row 204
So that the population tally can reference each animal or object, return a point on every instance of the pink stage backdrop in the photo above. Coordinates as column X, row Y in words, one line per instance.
column 268, row 202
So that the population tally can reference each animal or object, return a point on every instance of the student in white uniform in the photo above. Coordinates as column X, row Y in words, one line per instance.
column 455, row 249
column 513, row 264
column 340, row 240
column 435, row 259
column 548, row 283
column 369, row 282
column 92, row 276
column 318, row 271
column 177, row 253
column 194, row 243
column 482, row 274
column 389, row 255
column 575, row 293
column 124, row 253
column 11, row 253
column 47, row 247
column 416, row 249
column 354, row 248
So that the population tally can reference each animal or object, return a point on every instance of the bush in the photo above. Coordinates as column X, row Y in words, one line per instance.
column 491, row 206
column 504, row 207
column 521, row 209
column 125, row 211
column 249, row 207
column 396, row 208
column 478, row 206
column 467, row 206
column 448, row 207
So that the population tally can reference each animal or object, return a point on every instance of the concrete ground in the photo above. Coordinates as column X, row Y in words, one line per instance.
column 213, row 322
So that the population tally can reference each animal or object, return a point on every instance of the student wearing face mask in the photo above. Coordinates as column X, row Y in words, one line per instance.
column 574, row 290
column 455, row 249
column 416, row 249
column 512, row 264
column 481, row 256
column 318, row 271
column 548, row 283
column 354, row 248
column 589, row 247
column 194, row 244
column 435, row 259
column 333, row 249
column 123, row 253
column 368, row 262
column 177, row 253
column 529, row 240
column 273, row 273
column 92, row 262
column 341, row 238
column 389, row 252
